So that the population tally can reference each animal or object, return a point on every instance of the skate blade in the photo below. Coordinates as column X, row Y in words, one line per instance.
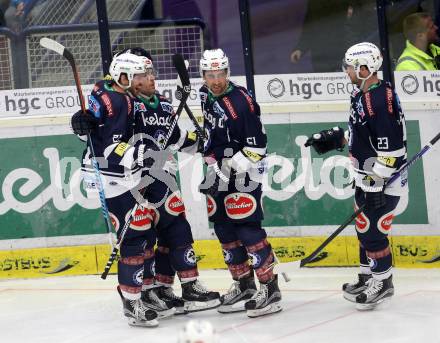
column 196, row 306
column 237, row 307
column 144, row 323
column 166, row 313
column 180, row 310
column 372, row 306
column 350, row 297
column 269, row 309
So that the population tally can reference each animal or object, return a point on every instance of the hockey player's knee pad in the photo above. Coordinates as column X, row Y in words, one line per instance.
column 234, row 253
column 262, row 259
column 184, row 261
column 130, row 273
column 164, row 271
column 226, row 232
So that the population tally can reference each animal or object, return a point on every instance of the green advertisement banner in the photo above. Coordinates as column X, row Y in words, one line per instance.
column 41, row 194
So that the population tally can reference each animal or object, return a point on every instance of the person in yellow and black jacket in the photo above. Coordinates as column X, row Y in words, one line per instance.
column 421, row 52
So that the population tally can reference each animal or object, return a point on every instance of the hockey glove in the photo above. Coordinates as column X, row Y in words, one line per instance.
column 327, row 140
column 214, row 182
column 83, row 123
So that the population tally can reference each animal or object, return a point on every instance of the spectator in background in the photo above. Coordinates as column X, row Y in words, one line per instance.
column 420, row 53
column 15, row 15
column 323, row 19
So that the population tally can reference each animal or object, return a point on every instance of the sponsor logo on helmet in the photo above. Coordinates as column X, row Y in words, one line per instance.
column 410, row 84
column 227, row 255
column 255, row 259
column 190, row 256
column 141, row 219
column 362, row 52
column 174, row 204
column 362, row 223
column 211, row 205
column 384, row 223
column 276, row 88
column 114, row 220
column 240, row 205
column 138, row 276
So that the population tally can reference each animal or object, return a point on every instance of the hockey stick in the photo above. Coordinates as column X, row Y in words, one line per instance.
column 288, row 266
column 179, row 64
column 52, row 45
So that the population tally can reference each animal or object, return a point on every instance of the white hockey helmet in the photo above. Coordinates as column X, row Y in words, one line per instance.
column 129, row 64
column 214, row 60
column 363, row 54
column 198, row 331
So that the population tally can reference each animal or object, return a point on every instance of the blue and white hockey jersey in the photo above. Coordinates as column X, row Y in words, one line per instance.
column 232, row 123
column 377, row 137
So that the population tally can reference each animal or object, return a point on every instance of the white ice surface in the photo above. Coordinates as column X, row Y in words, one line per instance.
column 88, row 309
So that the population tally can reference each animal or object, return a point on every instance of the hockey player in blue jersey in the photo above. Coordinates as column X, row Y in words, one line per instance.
column 174, row 253
column 110, row 121
column 235, row 151
column 376, row 140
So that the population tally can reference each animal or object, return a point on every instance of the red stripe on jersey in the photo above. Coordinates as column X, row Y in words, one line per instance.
column 230, row 108
column 389, row 96
column 128, row 105
column 249, row 101
column 108, row 104
column 369, row 105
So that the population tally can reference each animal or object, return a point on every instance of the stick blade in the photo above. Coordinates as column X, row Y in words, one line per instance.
column 179, row 64
column 287, row 266
column 52, row 45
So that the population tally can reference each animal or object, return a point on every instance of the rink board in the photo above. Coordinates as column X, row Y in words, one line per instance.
column 408, row 251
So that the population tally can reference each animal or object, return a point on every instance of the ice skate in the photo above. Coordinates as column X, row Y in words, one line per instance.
column 137, row 314
column 198, row 298
column 239, row 292
column 352, row 290
column 164, row 308
column 266, row 300
column 376, row 293
column 167, row 294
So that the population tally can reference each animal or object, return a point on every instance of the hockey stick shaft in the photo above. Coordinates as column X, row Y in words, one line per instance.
column 300, row 263
column 58, row 48
column 179, row 64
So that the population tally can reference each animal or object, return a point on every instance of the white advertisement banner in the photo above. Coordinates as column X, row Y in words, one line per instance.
column 418, row 85
column 303, row 87
column 64, row 100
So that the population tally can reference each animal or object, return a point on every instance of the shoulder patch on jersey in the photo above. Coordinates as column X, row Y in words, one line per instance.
column 248, row 100
column 369, row 104
column 167, row 107
column 230, row 108
column 108, row 104
column 203, row 96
